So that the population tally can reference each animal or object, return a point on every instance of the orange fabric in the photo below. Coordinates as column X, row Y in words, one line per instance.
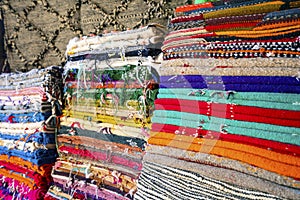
column 279, row 30
column 193, row 7
column 43, row 170
column 277, row 25
column 280, row 163
column 19, row 177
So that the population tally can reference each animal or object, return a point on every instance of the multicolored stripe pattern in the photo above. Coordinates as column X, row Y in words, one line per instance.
column 111, row 83
column 29, row 117
column 226, row 121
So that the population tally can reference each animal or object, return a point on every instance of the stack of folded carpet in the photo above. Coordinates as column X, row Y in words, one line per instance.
column 29, row 116
column 226, row 123
column 110, row 87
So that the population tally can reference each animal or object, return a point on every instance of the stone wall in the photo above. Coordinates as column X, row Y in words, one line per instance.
column 37, row 32
column 2, row 51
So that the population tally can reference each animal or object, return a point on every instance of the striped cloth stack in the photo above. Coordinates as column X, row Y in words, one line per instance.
column 226, row 123
column 29, row 117
column 111, row 83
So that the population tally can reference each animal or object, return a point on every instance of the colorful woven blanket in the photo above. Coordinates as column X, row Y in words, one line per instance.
column 111, row 83
column 226, row 121
column 29, row 117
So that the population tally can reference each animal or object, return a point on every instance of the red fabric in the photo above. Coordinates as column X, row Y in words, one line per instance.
column 230, row 111
column 262, row 143
column 48, row 197
column 212, row 28
column 194, row 7
column 101, row 156
column 185, row 31
column 187, row 18
column 38, row 179
column 126, row 162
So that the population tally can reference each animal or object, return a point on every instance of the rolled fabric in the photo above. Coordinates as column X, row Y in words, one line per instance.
column 144, row 33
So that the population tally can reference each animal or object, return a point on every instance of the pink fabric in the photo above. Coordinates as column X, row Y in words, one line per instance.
column 37, row 194
column 92, row 190
column 102, row 156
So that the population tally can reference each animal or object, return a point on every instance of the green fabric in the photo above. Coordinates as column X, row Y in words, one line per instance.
column 200, row 1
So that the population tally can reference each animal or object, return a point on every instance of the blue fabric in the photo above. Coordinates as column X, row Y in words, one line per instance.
column 236, row 87
column 25, row 117
column 276, row 84
column 38, row 157
column 39, row 137
column 282, row 14
column 275, row 80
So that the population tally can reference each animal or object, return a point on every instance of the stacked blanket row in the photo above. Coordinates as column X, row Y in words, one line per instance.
column 110, row 87
column 226, row 123
column 30, row 106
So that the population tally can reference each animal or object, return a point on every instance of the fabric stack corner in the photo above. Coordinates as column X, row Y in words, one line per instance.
column 111, row 83
column 30, row 107
column 226, row 123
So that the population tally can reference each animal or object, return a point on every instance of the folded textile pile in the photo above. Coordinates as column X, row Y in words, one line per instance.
column 29, row 116
column 226, row 123
column 110, row 87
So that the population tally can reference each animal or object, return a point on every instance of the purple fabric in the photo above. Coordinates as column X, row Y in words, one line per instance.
column 276, row 84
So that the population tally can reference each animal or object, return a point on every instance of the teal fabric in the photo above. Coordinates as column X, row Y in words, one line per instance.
column 265, row 131
column 258, row 96
column 263, row 100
